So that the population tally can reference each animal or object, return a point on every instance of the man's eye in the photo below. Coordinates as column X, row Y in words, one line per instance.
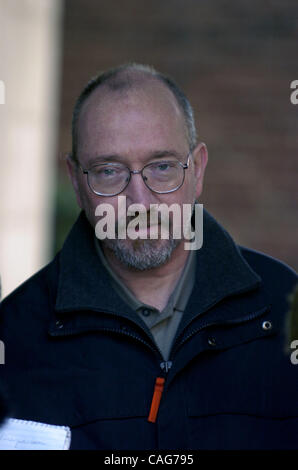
column 109, row 171
column 105, row 172
column 163, row 166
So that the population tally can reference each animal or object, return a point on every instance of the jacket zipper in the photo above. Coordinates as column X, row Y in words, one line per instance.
column 166, row 365
column 159, row 381
column 158, row 390
column 156, row 350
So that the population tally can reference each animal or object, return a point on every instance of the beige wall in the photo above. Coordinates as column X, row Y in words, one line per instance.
column 29, row 66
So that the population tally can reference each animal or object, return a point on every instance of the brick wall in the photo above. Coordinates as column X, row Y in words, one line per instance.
column 235, row 60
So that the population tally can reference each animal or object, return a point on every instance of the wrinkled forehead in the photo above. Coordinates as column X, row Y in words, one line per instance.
column 150, row 97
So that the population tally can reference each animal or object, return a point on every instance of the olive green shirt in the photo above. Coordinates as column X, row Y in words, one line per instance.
column 162, row 324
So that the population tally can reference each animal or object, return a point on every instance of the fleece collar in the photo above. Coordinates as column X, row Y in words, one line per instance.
column 84, row 284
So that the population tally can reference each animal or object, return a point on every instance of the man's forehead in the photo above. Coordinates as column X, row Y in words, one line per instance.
column 134, row 120
column 145, row 93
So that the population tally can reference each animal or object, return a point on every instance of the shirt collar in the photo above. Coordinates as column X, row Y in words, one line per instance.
column 84, row 284
column 184, row 283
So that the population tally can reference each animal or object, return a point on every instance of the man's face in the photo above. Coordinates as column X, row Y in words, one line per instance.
column 135, row 127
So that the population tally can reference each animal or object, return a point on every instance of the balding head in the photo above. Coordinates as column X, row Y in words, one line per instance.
column 121, row 81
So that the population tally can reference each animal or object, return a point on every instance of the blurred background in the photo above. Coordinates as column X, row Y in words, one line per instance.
column 234, row 59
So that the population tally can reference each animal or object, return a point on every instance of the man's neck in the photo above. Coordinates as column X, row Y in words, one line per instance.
column 152, row 286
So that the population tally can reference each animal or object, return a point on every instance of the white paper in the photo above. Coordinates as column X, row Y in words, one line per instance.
column 18, row 434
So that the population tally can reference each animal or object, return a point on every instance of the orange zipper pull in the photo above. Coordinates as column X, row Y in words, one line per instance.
column 158, row 389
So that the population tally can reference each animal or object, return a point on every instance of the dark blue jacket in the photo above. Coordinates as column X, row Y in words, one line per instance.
column 77, row 355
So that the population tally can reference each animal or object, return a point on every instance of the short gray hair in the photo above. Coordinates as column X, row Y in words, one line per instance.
column 123, row 77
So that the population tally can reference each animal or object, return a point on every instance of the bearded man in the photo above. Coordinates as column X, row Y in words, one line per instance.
column 138, row 342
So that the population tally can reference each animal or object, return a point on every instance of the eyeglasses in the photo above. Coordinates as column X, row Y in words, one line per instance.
column 110, row 179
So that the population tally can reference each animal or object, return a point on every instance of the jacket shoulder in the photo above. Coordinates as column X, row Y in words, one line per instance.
column 274, row 273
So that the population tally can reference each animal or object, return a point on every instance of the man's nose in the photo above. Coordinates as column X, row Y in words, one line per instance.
column 138, row 193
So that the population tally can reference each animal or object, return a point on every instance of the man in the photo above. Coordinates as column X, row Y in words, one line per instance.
column 141, row 343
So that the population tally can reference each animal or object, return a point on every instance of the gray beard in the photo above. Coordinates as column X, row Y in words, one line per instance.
column 142, row 254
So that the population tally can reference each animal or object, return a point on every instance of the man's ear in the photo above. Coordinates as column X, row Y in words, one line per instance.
column 72, row 171
column 200, row 158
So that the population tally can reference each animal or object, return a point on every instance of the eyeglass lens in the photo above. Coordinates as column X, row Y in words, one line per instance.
column 110, row 178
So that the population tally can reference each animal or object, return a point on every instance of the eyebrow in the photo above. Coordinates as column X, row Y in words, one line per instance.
column 120, row 158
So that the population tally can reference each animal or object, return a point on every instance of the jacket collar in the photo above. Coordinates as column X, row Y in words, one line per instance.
column 84, row 284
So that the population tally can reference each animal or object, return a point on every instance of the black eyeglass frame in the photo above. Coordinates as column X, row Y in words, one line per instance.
column 185, row 166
